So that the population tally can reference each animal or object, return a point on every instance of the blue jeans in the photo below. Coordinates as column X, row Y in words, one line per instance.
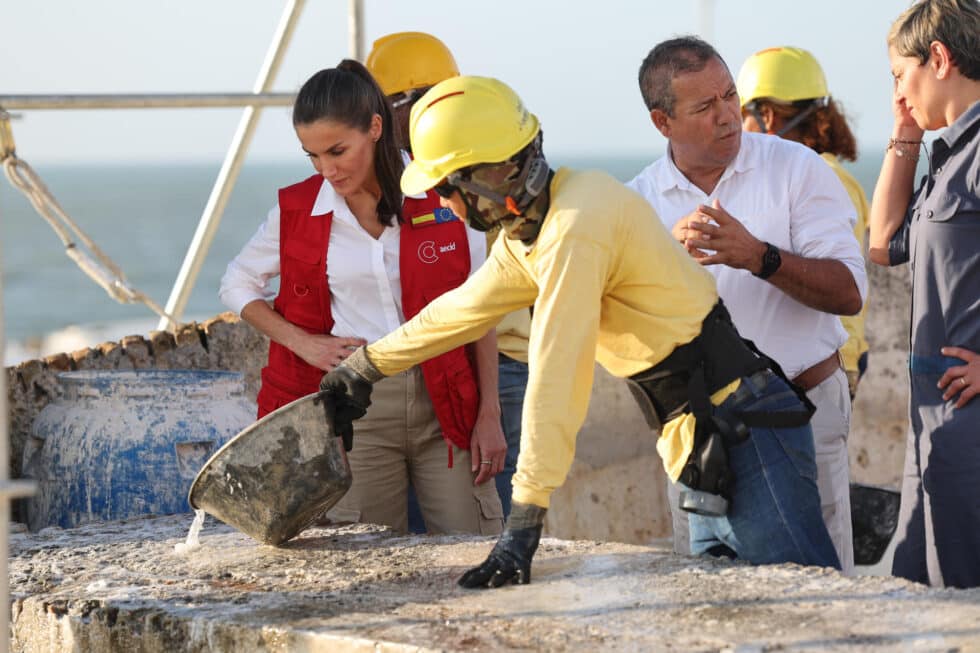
column 511, row 384
column 774, row 514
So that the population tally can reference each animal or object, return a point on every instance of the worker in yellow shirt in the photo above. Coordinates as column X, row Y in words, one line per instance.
column 607, row 282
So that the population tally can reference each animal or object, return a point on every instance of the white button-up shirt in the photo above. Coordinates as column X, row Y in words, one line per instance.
column 786, row 195
column 363, row 272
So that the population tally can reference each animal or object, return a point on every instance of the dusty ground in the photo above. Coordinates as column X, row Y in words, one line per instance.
column 120, row 586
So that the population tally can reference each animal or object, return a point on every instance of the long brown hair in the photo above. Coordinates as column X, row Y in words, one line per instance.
column 349, row 95
column 824, row 130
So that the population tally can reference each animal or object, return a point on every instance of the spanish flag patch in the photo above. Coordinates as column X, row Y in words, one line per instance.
column 438, row 216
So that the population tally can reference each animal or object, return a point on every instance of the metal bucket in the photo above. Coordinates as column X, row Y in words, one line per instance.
column 874, row 517
column 124, row 443
column 275, row 478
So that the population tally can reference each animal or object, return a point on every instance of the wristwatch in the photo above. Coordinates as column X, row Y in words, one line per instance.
column 771, row 260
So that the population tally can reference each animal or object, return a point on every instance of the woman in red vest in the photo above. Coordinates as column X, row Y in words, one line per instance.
column 355, row 259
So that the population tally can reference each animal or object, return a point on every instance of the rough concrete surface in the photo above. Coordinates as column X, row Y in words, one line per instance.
column 119, row 586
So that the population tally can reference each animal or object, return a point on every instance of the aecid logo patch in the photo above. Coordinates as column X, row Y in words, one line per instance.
column 428, row 250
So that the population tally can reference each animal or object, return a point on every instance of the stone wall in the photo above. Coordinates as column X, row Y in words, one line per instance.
column 880, row 419
column 616, row 487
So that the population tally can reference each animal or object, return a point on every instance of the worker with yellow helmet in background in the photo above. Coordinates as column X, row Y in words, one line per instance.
column 783, row 91
column 406, row 65
column 608, row 283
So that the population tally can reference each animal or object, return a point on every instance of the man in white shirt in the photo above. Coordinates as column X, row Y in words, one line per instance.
column 774, row 225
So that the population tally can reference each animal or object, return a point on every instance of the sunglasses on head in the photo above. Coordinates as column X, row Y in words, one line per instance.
column 406, row 97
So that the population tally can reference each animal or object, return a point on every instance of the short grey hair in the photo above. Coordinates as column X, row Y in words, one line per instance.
column 954, row 23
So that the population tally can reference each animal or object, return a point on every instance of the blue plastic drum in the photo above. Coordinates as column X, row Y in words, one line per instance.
column 120, row 444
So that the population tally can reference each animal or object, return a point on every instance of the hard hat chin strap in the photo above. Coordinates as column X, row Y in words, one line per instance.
column 812, row 106
column 818, row 103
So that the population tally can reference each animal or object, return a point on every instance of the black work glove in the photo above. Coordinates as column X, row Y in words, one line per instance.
column 510, row 559
column 348, row 387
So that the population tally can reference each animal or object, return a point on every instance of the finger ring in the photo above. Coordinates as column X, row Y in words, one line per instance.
column 963, row 380
column 485, row 462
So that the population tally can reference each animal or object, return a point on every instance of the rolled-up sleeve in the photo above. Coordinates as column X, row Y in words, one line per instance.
column 247, row 276
column 822, row 219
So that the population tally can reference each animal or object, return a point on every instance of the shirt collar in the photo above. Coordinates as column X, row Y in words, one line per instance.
column 327, row 200
column 961, row 125
column 670, row 176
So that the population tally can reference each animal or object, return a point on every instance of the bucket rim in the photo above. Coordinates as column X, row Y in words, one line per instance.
column 150, row 375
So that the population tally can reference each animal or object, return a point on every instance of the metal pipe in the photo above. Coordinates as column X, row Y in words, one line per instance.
column 355, row 29
column 223, row 185
column 706, row 20
column 147, row 101
column 8, row 489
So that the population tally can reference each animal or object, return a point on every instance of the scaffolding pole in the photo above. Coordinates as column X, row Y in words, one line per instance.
column 9, row 490
column 147, row 101
column 355, row 29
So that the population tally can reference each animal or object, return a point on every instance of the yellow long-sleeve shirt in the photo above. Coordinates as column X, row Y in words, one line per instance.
column 514, row 330
column 854, row 324
column 607, row 282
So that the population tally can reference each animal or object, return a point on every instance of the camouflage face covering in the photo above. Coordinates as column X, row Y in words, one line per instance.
column 485, row 190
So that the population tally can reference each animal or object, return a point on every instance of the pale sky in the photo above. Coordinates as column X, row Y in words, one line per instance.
column 573, row 62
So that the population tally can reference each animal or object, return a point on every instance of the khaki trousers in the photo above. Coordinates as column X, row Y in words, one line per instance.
column 399, row 442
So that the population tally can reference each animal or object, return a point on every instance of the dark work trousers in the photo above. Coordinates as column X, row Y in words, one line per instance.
column 938, row 534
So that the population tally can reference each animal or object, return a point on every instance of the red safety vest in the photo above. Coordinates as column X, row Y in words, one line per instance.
column 434, row 256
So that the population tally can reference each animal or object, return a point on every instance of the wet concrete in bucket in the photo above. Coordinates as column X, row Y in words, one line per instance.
column 120, row 586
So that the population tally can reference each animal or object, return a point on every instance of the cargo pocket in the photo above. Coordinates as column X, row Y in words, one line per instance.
column 300, row 285
column 491, row 512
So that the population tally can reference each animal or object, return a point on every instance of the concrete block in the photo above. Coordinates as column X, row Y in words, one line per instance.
column 58, row 363
column 137, row 350
column 235, row 345
column 86, row 359
column 114, row 357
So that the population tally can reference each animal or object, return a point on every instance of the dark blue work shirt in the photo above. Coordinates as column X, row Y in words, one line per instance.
column 942, row 239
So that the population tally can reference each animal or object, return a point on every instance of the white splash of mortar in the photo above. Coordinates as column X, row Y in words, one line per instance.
column 192, row 543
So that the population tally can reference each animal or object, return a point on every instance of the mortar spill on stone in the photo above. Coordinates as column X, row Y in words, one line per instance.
column 193, row 542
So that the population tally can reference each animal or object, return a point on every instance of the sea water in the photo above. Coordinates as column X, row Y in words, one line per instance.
column 143, row 216
column 192, row 543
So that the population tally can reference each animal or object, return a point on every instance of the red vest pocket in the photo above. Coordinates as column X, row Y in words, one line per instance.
column 302, row 250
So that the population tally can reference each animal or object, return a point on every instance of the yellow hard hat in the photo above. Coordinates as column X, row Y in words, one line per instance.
column 406, row 60
column 786, row 74
column 461, row 122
